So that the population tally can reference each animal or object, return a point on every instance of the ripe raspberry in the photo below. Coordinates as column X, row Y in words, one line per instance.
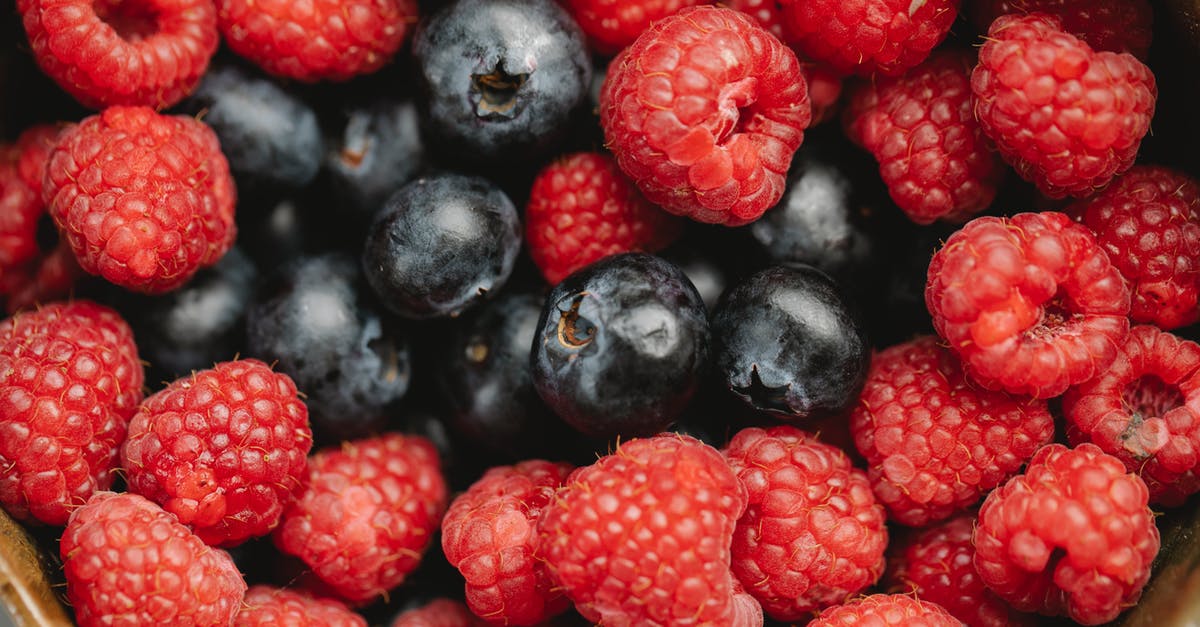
column 641, row 537
column 704, row 112
column 868, row 37
column 272, row 607
column 936, row 564
column 1030, row 303
column 824, row 90
column 1148, row 221
column 439, row 613
column 767, row 13
column 611, row 25
column 1144, row 409
column 69, row 381
column 332, row 40
column 1067, row 118
column 1072, row 536
column 582, row 208
column 490, row 535
column 128, row 562
column 1125, row 26
column 935, row 443
column 813, row 534
column 922, row 130
column 224, row 450
column 368, row 511
column 887, row 610
column 145, row 200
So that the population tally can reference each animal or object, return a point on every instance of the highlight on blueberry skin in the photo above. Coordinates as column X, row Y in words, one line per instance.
column 621, row 346
column 787, row 342
column 440, row 245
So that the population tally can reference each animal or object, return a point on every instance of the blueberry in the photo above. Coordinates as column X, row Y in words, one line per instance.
column 380, row 150
column 620, row 346
column 500, row 78
column 786, row 341
column 315, row 320
column 440, row 245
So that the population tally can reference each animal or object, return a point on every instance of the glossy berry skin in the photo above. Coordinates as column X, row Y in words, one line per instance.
column 440, row 245
column 620, row 346
column 69, row 381
column 887, row 610
column 438, row 613
column 1030, row 303
column 813, row 533
column 315, row 321
column 611, row 25
column 265, row 606
column 1072, row 536
column 1125, row 26
column 368, row 511
column 500, row 79
column 786, row 341
column 127, row 561
column 704, row 112
column 378, row 151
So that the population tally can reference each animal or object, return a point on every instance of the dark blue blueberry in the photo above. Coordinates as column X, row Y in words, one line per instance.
column 501, row 79
column 786, row 341
column 316, row 322
column 440, row 245
column 621, row 346
column 380, row 150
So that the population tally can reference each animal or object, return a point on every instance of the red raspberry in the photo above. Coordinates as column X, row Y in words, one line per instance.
column 936, row 564
column 490, row 535
column 767, row 13
column 887, row 610
column 1125, row 26
column 1144, row 409
column 332, row 40
column 870, row 36
column 1030, row 303
column 1148, row 221
column 824, row 90
column 122, row 52
column 274, row 607
column 704, row 112
column 611, row 25
column 1072, row 536
column 813, row 534
column 582, row 208
column 1067, row 118
column 145, row 200
column 128, row 562
column 935, row 443
column 641, row 537
column 368, row 511
column 439, row 613
column 224, row 450
column 922, row 130
column 69, row 381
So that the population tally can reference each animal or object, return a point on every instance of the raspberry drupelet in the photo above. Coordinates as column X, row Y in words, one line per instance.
column 1125, row 26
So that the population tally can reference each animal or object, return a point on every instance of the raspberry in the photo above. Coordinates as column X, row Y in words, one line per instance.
column 332, row 40
column 368, row 511
column 122, row 52
column 887, row 610
column 1125, row 26
column 641, row 537
column 1144, row 409
column 145, row 200
column 1030, row 303
column 271, row 607
column 824, row 90
column 921, row 128
column 128, row 562
column 867, row 37
column 1067, row 118
column 1148, row 221
column 611, row 25
column 438, row 613
column 767, row 13
column 1072, row 536
column 582, row 208
column 813, row 534
column 704, row 112
column 69, row 381
column 934, row 442
column 224, row 450
column 936, row 564
column 490, row 535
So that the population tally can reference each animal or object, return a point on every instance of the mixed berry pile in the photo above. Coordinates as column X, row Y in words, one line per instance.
column 619, row 312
